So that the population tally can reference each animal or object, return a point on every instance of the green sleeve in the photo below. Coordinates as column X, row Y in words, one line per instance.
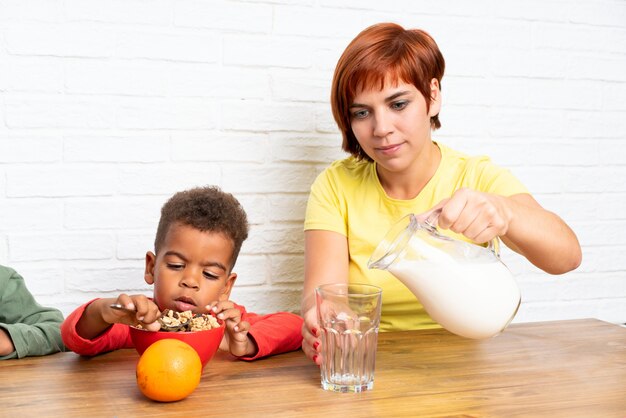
column 34, row 329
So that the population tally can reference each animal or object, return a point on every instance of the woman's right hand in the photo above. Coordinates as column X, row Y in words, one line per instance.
column 326, row 261
column 311, row 343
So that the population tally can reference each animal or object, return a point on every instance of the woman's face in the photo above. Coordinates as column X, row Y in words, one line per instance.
column 392, row 125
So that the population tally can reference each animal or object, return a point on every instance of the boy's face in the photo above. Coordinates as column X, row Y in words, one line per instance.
column 191, row 269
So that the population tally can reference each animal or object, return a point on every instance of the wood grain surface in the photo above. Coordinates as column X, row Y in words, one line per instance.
column 564, row 368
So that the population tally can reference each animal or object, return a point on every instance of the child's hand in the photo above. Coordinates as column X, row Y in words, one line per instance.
column 6, row 343
column 99, row 315
column 146, row 312
column 236, row 338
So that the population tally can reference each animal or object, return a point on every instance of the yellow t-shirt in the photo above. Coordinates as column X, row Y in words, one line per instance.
column 348, row 198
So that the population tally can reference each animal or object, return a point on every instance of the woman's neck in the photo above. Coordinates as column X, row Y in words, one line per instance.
column 407, row 184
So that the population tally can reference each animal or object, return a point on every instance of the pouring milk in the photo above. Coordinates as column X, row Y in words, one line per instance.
column 462, row 286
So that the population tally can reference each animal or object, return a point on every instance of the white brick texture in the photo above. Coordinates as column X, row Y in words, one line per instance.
column 109, row 107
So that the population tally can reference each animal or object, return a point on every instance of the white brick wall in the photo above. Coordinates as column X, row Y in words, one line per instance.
column 109, row 107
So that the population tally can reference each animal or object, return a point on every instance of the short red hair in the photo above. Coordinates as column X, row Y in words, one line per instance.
column 380, row 52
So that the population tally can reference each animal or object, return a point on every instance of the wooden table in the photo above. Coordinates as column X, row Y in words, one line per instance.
column 562, row 368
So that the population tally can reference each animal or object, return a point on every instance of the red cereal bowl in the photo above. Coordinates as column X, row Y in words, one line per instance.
column 205, row 342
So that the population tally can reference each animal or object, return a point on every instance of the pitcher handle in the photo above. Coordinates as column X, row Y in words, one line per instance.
column 494, row 246
column 431, row 223
column 431, row 220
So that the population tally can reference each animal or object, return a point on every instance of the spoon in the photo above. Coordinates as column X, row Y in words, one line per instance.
column 164, row 326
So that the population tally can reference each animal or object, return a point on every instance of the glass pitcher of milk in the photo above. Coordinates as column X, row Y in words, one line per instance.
column 464, row 287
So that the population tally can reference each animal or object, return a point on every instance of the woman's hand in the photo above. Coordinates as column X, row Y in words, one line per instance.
column 236, row 339
column 519, row 220
column 326, row 261
column 311, row 343
column 479, row 216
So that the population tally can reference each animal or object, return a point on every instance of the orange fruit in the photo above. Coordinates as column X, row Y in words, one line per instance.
column 169, row 370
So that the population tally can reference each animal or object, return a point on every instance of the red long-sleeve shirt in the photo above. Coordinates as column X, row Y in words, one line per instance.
column 273, row 333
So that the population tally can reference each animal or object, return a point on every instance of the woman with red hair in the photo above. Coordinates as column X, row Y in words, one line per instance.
column 386, row 99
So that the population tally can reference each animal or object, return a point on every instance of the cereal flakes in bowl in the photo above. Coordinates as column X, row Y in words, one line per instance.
column 203, row 332
column 172, row 321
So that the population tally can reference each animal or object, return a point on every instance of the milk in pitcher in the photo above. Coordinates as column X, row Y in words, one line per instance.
column 474, row 299
column 463, row 286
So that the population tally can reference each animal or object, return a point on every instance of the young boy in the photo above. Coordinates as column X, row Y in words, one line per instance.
column 26, row 327
column 197, row 243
